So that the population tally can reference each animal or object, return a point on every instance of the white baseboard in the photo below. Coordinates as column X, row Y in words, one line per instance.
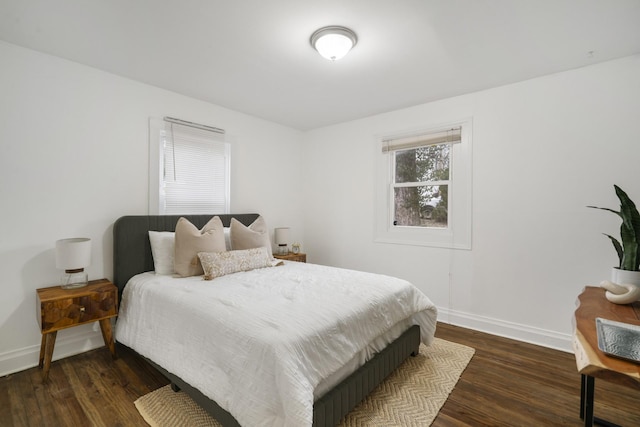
column 25, row 358
column 542, row 337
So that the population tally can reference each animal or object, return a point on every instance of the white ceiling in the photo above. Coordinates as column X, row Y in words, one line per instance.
column 254, row 56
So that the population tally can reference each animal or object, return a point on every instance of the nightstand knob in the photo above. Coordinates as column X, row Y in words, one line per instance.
column 81, row 309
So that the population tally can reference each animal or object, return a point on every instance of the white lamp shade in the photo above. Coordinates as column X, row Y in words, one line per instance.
column 73, row 254
column 282, row 236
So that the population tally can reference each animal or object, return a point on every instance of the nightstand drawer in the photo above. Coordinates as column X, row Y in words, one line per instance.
column 292, row 257
column 93, row 302
column 67, row 312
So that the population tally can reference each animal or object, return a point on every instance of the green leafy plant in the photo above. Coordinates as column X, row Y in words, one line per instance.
column 629, row 250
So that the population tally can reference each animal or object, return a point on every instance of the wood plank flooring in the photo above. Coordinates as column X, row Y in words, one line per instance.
column 507, row 383
column 511, row 383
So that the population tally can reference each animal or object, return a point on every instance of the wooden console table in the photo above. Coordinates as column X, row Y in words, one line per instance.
column 593, row 363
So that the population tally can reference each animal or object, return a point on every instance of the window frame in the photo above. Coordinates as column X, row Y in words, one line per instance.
column 457, row 234
column 157, row 164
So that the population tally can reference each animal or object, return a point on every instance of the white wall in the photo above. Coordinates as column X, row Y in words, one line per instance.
column 74, row 157
column 543, row 149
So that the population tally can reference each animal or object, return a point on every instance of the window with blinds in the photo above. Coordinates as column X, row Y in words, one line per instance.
column 423, row 187
column 193, row 169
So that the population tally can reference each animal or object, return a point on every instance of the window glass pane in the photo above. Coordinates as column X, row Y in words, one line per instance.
column 421, row 206
column 422, row 164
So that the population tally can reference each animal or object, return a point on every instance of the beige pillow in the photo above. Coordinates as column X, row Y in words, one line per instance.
column 189, row 241
column 254, row 236
column 216, row 264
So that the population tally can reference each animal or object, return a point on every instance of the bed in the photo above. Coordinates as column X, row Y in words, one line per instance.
column 332, row 399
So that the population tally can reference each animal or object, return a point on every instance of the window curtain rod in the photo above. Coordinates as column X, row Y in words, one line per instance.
column 194, row 125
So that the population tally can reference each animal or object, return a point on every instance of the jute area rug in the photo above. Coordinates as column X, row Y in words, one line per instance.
column 411, row 396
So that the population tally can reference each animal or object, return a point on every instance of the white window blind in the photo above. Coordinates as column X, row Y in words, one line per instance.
column 193, row 175
column 449, row 136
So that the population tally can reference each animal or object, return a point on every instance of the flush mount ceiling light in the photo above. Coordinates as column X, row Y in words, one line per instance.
column 333, row 42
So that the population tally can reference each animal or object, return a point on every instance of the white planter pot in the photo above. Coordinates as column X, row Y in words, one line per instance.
column 625, row 277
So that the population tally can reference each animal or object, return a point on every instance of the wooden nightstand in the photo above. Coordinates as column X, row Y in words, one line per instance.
column 292, row 257
column 64, row 308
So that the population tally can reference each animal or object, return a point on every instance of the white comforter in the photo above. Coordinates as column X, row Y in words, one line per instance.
column 259, row 342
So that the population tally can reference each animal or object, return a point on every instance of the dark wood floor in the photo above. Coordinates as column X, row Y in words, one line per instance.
column 507, row 383
column 511, row 383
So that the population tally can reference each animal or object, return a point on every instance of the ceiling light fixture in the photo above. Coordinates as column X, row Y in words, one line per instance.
column 333, row 42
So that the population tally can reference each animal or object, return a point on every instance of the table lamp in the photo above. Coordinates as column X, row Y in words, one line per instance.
column 282, row 240
column 72, row 256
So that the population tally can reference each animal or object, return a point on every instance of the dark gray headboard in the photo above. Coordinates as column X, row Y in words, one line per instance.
column 131, row 247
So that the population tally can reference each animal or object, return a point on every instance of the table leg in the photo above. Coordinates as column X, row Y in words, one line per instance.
column 587, row 393
column 42, row 345
column 46, row 352
column 583, row 380
column 107, row 336
column 586, row 400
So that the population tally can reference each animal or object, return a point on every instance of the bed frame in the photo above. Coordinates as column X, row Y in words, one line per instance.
column 132, row 255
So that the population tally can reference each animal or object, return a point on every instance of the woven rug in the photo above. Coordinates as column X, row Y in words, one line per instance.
column 411, row 396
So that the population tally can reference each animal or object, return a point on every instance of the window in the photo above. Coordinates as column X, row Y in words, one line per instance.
column 420, row 185
column 189, row 168
column 424, row 187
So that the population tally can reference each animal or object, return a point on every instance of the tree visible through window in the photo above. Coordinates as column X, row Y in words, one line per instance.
column 421, row 186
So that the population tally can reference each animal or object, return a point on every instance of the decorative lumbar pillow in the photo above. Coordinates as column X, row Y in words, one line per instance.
column 162, row 249
column 216, row 264
column 254, row 236
column 190, row 241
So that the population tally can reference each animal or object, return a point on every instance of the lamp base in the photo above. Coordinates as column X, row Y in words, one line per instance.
column 73, row 279
column 283, row 249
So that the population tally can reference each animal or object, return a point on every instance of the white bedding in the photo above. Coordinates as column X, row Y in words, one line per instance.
column 260, row 342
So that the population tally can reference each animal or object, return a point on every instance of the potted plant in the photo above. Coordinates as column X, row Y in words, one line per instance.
column 624, row 286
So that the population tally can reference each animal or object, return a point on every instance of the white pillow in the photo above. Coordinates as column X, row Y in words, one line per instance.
column 162, row 248
column 254, row 236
